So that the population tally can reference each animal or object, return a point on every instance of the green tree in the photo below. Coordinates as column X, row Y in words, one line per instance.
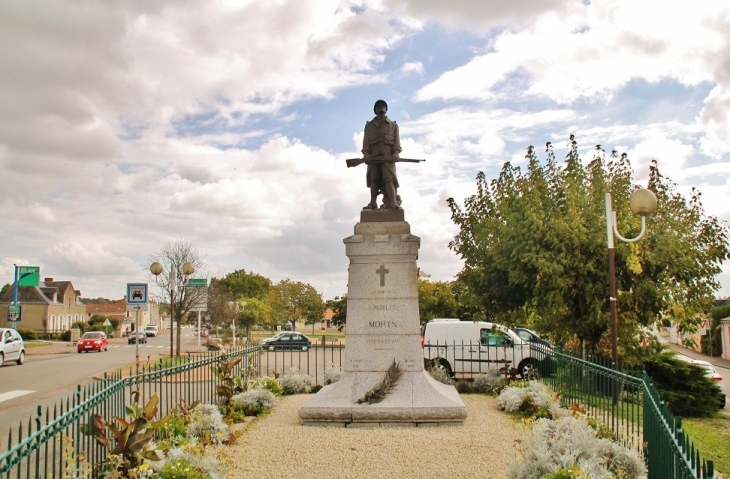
column 338, row 305
column 435, row 299
column 240, row 287
column 534, row 249
column 291, row 301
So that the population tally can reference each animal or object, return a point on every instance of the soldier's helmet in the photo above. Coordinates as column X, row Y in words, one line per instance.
column 380, row 102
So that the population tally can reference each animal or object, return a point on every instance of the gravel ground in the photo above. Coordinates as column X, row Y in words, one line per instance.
column 278, row 446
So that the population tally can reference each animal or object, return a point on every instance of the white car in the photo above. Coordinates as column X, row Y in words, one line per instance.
column 711, row 373
column 12, row 347
column 151, row 331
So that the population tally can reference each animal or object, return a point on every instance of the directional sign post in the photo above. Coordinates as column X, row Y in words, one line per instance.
column 24, row 276
column 137, row 300
column 200, row 285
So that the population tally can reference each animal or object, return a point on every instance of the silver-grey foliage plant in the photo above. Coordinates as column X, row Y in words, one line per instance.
column 206, row 422
column 489, row 383
column 214, row 469
column 570, row 442
column 441, row 375
column 294, row 382
column 512, row 398
column 332, row 375
column 255, row 401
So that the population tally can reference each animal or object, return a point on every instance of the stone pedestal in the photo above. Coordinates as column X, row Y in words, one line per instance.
column 383, row 326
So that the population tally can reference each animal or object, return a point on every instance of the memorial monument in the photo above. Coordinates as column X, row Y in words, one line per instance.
column 383, row 380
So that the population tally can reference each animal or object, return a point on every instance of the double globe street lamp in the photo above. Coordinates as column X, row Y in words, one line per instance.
column 187, row 269
column 641, row 202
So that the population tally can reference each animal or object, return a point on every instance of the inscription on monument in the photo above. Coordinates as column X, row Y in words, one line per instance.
column 383, row 324
column 387, row 307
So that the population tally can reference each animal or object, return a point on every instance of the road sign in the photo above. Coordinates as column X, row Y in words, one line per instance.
column 107, row 322
column 29, row 275
column 201, row 297
column 15, row 312
column 137, row 296
column 197, row 283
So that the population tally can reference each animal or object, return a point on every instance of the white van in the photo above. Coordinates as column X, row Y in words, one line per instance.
column 467, row 348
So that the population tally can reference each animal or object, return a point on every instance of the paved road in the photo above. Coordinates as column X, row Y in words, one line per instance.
column 45, row 379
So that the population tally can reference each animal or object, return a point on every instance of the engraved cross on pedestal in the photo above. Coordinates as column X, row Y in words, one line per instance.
column 382, row 272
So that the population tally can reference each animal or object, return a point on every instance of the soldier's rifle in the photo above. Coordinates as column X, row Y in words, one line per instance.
column 374, row 160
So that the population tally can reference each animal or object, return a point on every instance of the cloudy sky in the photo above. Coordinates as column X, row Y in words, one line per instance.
column 128, row 124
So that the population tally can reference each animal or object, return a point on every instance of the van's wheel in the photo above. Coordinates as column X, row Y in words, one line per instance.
column 21, row 358
column 2, row 359
column 528, row 369
column 441, row 363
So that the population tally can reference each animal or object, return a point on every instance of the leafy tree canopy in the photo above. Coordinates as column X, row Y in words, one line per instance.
column 293, row 301
column 535, row 252
column 338, row 305
column 435, row 299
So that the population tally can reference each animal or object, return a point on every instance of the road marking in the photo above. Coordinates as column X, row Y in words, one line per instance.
column 13, row 394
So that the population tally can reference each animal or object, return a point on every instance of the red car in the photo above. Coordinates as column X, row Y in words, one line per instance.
column 93, row 341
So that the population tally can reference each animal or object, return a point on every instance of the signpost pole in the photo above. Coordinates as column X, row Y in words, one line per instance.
column 200, row 331
column 15, row 294
column 136, row 337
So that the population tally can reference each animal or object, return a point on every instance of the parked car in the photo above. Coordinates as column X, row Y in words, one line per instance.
column 532, row 337
column 711, row 373
column 151, row 331
column 137, row 336
column 468, row 348
column 287, row 340
column 12, row 347
column 93, row 341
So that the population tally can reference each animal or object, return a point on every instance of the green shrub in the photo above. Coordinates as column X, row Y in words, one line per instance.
column 464, row 387
column 181, row 469
column 316, row 388
column 270, row 384
column 28, row 334
column 686, row 389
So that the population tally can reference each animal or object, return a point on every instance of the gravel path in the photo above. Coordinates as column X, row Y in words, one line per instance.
column 278, row 446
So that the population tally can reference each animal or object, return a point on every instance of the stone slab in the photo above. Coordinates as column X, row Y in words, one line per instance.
column 379, row 228
column 416, row 399
column 399, row 282
column 379, row 216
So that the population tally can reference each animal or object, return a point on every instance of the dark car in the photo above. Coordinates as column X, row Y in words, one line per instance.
column 137, row 336
column 287, row 340
column 531, row 337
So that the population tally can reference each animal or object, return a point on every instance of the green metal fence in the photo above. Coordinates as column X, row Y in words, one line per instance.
column 632, row 408
column 628, row 404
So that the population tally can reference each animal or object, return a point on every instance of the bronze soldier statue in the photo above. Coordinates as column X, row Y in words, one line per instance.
column 381, row 151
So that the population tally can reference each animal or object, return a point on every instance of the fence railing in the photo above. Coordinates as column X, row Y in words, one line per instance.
column 39, row 447
column 627, row 404
column 630, row 406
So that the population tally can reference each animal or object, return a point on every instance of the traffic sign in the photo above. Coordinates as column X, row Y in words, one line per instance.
column 198, row 283
column 29, row 275
column 137, row 296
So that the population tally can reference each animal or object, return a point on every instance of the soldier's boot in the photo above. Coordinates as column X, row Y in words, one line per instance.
column 373, row 205
column 392, row 197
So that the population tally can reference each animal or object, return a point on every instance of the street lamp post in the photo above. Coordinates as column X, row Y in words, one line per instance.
column 641, row 202
column 187, row 269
